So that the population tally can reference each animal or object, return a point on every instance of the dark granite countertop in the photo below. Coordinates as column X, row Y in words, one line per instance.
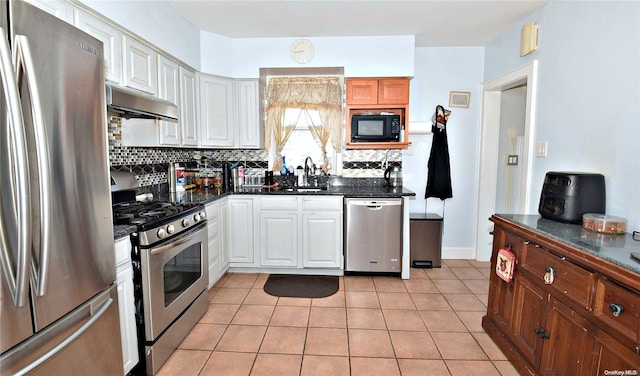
column 342, row 187
column 210, row 195
column 615, row 248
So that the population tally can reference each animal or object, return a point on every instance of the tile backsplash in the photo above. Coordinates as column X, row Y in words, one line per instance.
column 150, row 164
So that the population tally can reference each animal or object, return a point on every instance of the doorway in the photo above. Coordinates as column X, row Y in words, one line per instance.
column 492, row 94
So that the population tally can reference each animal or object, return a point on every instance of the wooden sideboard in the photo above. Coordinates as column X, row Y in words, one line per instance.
column 585, row 320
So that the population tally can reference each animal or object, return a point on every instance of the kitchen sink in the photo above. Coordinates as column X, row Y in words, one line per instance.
column 305, row 189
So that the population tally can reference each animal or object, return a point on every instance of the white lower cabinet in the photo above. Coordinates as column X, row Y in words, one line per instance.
column 300, row 231
column 126, row 304
column 322, row 239
column 278, row 219
column 240, row 241
column 218, row 255
column 322, row 232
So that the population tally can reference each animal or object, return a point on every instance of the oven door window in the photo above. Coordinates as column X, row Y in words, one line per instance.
column 181, row 272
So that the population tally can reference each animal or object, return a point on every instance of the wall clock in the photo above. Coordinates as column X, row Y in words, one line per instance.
column 302, row 50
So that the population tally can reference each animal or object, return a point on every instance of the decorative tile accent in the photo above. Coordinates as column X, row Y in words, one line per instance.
column 151, row 164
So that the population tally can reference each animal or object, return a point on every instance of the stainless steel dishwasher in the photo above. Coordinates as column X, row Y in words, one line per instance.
column 373, row 234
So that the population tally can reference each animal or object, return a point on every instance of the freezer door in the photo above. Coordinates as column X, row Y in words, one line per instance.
column 60, row 76
column 85, row 342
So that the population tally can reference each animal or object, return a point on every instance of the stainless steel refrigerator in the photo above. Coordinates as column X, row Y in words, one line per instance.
column 58, row 297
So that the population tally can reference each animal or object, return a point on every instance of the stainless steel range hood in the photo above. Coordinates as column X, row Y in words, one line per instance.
column 131, row 104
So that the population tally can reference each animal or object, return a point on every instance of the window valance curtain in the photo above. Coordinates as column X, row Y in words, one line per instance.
column 322, row 94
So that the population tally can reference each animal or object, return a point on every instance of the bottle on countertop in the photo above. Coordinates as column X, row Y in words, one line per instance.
column 181, row 179
column 284, row 170
column 240, row 175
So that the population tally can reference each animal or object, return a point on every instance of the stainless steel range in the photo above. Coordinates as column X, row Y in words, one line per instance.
column 170, row 271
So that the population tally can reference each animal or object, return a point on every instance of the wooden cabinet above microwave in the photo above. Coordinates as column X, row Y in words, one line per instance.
column 377, row 91
column 375, row 96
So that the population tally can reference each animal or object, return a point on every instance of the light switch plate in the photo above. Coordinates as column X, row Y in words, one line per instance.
column 541, row 149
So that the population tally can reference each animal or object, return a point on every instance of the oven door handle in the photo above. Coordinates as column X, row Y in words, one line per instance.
column 177, row 242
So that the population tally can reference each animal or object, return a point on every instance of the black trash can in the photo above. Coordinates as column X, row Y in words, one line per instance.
column 425, row 240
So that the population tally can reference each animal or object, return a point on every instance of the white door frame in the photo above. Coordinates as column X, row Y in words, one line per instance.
column 488, row 169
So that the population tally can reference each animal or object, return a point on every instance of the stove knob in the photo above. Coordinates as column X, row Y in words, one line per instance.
column 161, row 233
column 186, row 223
column 196, row 217
column 203, row 215
column 171, row 229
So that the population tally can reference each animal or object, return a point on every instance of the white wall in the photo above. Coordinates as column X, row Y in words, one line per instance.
column 158, row 22
column 438, row 71
column 360, row 56
column 588, row 105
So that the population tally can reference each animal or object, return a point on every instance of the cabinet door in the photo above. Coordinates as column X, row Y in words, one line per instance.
column 568, row 348
column 278, row 238
column 322, row 239
column 213, row 229
column 112, row 43
column 188, row 107
column 169, row 89
column 216, row 111
column 140, row 66
column 362, row 91
column 58, row 8
column 610, row 355
column 393, row 91
column 126, row 305
column 126, row 310
column 250, row 134
column 501, row 294
column 240, row 231
column 224, row 236
column 528, row 318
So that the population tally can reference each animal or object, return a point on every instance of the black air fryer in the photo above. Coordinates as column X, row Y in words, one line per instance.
column 566, row 196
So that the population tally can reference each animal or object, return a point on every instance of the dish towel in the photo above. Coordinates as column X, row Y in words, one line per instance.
column 439, row 169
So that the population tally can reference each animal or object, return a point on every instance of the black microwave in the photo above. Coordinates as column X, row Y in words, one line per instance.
column 375, row 128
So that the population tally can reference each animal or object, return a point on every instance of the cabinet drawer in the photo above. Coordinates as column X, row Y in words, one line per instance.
column 569, row 279
column 277, row 203
column 322, row 203
column 610, row 296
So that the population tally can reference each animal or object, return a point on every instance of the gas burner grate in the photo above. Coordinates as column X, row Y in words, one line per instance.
column 139, row 213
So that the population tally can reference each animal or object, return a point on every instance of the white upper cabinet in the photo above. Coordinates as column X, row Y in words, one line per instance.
column 111, row 39
column 250, row 135
column 169, row 89
column 140, row 66
column 188, row 107
column 58, row 8
column 216, row 111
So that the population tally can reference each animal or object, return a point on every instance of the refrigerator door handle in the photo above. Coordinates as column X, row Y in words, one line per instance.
column 24, row 63
column 18, row 282
column 67, row 341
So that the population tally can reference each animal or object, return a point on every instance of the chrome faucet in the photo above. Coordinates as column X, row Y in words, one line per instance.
column 385, row 161
column 309, row 167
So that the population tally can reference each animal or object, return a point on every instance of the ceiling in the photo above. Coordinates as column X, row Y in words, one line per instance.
column 434, row 23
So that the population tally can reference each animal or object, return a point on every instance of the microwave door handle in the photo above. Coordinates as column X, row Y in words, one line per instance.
column 24, row 63
column 18, row 282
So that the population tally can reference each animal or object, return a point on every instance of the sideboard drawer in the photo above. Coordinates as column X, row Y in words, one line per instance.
column 618, row 308
column 567, row 278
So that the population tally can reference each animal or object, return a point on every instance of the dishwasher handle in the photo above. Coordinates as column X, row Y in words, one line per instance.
column 374, row 204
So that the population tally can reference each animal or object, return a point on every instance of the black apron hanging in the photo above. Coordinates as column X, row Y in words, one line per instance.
column 439, row 169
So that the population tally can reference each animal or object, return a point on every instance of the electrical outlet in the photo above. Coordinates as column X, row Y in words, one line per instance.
column 541, row 149
column 512, row 160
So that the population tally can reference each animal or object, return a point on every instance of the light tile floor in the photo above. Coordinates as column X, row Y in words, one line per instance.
column 428, row 325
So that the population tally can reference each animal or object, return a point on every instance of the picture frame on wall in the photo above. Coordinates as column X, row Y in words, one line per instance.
column 459, row 99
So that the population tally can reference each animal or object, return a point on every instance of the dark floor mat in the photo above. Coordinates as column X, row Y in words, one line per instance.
column 301, row 286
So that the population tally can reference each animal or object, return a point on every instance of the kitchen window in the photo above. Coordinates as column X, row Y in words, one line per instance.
column 304, row 117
